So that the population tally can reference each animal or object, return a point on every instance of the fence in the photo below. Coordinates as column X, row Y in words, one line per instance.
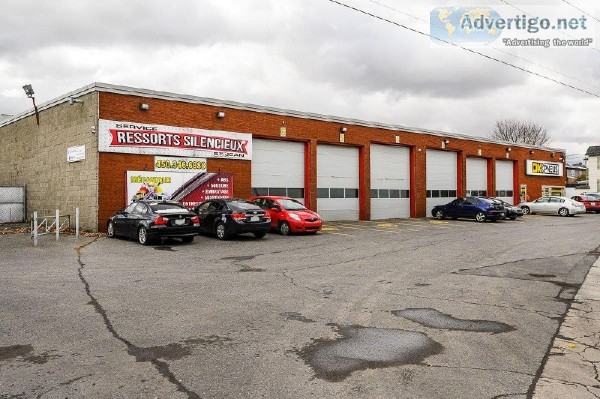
column 13, row 202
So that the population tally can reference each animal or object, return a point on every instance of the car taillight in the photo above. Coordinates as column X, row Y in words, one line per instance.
column 195, row 219
column 238, row 216
column 161, row 220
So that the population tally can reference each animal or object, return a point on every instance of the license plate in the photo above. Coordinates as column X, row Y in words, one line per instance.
column 179, row 222
column 593, row 204
column 254, row 219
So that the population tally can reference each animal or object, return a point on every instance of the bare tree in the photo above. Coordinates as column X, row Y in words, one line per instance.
column 520, row 132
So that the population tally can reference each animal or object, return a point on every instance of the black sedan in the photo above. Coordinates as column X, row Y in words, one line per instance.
column 480, row 209
column 148, row 220
column 511, row 212
column 232, row 216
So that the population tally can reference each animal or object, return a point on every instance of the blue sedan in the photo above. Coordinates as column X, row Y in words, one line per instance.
column 480, row 209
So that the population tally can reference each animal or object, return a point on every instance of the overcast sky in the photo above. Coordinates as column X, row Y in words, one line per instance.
column 307, row 55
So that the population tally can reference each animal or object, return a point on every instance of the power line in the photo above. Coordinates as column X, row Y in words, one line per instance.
column 577, row 8
column 493, row 48
column 463, row 48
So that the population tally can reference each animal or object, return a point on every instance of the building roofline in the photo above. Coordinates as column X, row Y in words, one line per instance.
column 126, row 90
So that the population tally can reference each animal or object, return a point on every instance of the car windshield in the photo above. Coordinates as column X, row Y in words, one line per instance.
column 166, row 207
column 291, row 205
column 242, row 205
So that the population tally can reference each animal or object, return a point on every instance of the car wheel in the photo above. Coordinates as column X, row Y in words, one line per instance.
column 110, row 230
column 187, row 239
column 439, row 215
column 284, row 229
column 526, row 210
column 260, row 234
column 221, row 231
column 480, row 217
column 143, row 236
column 563, row 212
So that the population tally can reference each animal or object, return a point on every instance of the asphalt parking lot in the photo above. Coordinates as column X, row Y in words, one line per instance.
column 392, row 309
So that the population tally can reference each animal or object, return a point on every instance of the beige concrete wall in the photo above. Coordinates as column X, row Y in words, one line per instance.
column 36, row 156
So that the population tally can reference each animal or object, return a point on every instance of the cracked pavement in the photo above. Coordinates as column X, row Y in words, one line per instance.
column 228, row 319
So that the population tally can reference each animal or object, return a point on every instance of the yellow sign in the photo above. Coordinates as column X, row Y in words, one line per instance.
column 173, row 164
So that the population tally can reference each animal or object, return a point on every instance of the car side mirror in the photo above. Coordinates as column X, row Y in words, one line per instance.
column 122, row 213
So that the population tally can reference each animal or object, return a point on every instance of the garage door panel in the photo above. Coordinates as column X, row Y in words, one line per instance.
column 390, row 182
column 477, row 176
column 337, row 182
column 441, row 178
column 504, row 180
column 278, row 165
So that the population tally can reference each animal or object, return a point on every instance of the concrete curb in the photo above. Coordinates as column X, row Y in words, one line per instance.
column 572, row 369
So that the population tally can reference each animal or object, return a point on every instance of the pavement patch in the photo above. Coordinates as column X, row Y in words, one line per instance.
column 435, row 319
column 296, row 316
column 361, row 348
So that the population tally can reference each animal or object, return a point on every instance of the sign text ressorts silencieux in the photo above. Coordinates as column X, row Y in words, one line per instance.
column 138, row 138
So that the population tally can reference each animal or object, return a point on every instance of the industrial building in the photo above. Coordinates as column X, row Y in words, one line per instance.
column 97, row 145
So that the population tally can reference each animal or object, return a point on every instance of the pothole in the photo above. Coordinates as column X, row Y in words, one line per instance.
column 361, row 348
column 435, row 319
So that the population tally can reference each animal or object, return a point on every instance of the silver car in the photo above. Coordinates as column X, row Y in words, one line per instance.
column 562, row 206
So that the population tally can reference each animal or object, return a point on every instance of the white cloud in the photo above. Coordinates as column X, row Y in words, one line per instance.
column 308, row 55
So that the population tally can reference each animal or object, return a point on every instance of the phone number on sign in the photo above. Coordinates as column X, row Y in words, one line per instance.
column 185, row 165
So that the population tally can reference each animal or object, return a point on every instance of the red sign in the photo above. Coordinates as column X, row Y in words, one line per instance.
column 218, row 186
column 176, row 140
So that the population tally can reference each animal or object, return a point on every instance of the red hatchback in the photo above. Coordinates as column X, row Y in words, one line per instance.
column 288, row 215
column 592, row 204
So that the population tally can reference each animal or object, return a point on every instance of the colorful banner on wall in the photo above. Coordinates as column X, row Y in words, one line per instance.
column 543, row 168
column 154, row 185
column 149, row 139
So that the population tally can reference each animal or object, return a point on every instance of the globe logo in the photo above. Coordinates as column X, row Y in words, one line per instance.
column 470, row 25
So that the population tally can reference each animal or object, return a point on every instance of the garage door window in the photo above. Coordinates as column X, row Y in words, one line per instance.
column 477, row 193
column 504, row 193
column 279, row 191
column 337, row 193
column 441, row 193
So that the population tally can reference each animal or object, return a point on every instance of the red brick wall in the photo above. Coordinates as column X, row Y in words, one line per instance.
column 261, row 125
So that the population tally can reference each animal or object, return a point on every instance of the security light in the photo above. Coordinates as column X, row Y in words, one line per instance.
column 144, row 106
column 28, row 91
column 220, row 114
column 343, row 129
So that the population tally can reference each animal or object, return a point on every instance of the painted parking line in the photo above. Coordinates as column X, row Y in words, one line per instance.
column 357, row 227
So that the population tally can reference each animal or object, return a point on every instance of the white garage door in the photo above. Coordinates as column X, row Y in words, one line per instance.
column 477, row 177
column 337, row 182
column 390, row 182
column 278, row 168
column 504, row 181
column 441, row 178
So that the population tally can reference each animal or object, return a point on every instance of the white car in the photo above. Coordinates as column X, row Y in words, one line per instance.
column 562, row 206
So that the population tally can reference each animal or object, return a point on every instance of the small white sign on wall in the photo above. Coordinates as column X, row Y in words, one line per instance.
column 76, row 153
